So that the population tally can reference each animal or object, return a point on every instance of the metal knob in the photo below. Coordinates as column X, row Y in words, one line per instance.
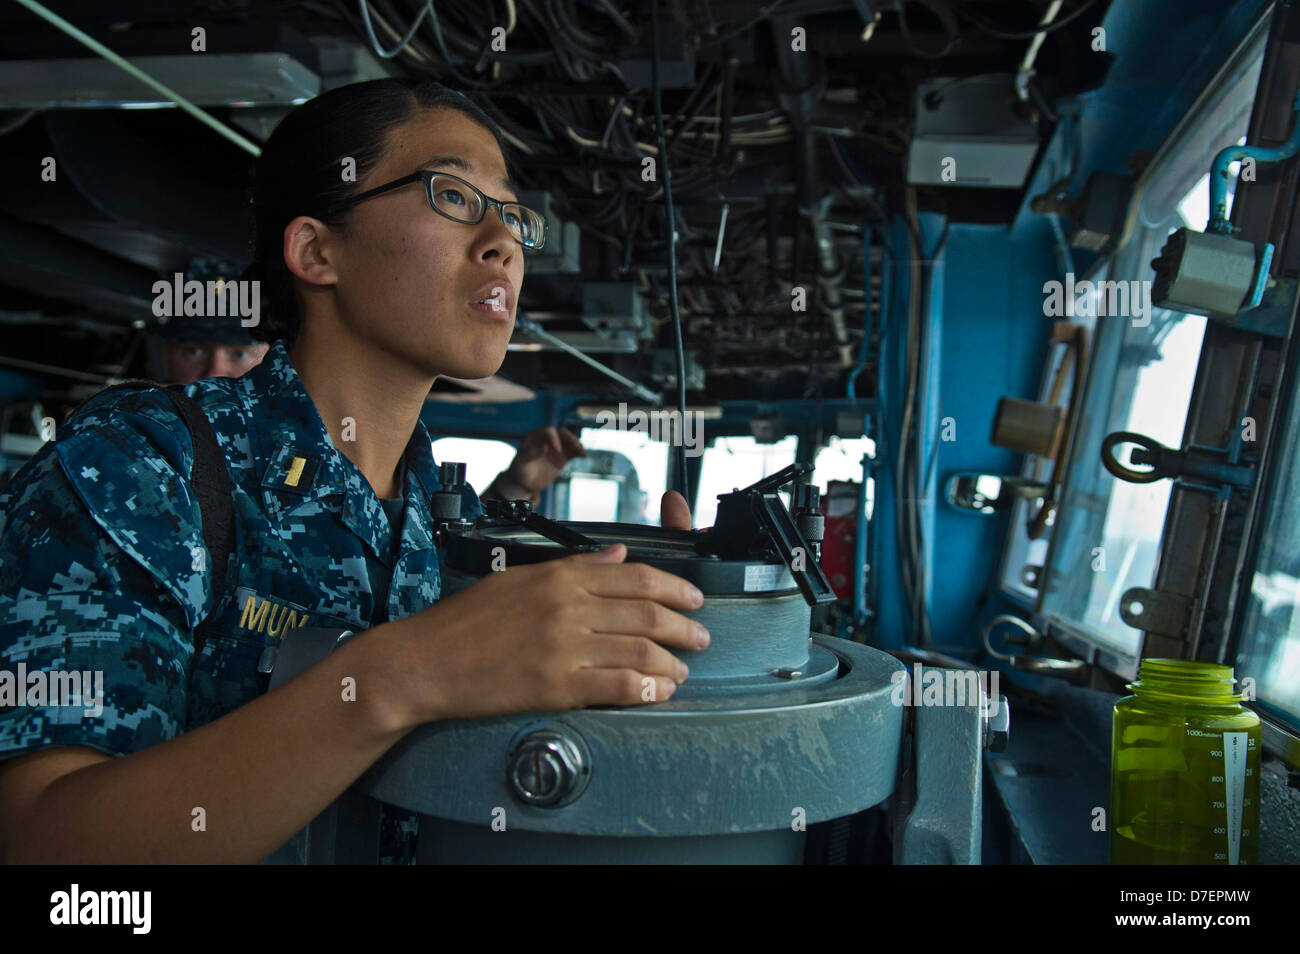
column 547, row 768
column 997, row 727
column 451, row 474
column 446, row 503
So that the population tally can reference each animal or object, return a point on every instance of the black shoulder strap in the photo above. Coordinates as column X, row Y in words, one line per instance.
column 211, row 484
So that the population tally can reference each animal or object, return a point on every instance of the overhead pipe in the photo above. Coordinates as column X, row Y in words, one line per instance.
column 830, row 280
column 1219, row 172
column 84, row 39
column 535, row 330
column 1026, row 71
column 800, row 85
column 728, row 108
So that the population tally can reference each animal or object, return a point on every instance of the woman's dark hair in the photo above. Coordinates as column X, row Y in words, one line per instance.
column 301, row 172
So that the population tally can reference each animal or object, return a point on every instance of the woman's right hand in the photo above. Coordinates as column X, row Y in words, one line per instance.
column 580, row 631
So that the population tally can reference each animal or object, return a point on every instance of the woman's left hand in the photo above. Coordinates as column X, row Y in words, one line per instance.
column 541, row 457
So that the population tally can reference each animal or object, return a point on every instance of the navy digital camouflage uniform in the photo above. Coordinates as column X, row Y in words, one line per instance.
column 103, row 564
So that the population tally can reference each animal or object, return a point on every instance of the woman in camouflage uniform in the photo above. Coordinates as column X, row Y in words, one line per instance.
column 104, row 568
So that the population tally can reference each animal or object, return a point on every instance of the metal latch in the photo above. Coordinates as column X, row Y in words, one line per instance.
column 1197, row 464
column 1156, row 611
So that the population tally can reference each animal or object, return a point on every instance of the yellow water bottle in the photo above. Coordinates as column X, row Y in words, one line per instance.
column 1184, row 775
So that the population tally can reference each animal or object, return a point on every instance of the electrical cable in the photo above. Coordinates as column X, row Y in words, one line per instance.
column 595, row 143
column 1028, row 35
column 910, row 497
column 951, row 36
column 911, row 445
column 631, row 240
column 413, row 53
column 865, row 345
column 467, row 47
column 1041, row 102
column 762, row 14
column 847, row 165
column 446, row 55
column 514, row 137
column 375, row 46
column 727, row 119
column 576, row 60
column 406, row 44
column 619, row 20
column 613, row 116
column 561, row 52
column 694, row 101
column 765, row 117
column 581, row 39
column 682, row 474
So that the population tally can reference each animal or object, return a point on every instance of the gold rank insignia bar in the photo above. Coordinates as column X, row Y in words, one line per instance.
column 295, row 471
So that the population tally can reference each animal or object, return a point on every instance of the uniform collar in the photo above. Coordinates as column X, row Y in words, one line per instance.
column 304, row 468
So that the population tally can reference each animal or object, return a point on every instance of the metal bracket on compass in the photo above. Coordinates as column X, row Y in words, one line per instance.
column 754, row 522
column 521, row 512
column 446, row 509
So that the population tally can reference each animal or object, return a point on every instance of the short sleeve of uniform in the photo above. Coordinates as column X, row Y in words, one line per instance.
column 103, row 573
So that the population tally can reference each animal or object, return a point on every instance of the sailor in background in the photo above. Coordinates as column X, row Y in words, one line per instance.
column 192, row 348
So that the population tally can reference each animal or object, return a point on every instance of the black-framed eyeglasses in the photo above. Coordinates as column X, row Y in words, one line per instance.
column 454, row 198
